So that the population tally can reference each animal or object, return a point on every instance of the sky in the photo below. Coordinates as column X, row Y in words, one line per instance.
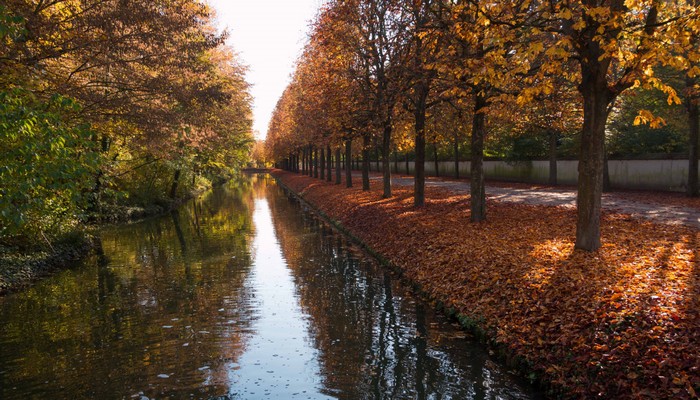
column 269, row 36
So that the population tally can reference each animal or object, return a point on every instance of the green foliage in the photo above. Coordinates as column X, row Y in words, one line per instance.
column 627, row 139
column 10, row 25
column 46, row 164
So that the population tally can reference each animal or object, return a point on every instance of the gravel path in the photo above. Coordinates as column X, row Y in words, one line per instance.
column 614, row 202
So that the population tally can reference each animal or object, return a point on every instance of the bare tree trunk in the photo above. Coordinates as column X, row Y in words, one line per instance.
column 478, row 190
column 419, row 128
column 693, row 112
column 315, row 155
column 456, row 154
column 365, row 161
column 323, row 163
column 337, row 166
column 552, row 157
column 435, row 159
column 408, row 171
column 329, row 167
column 607, row 186
column 348, row 163
column 396, row 161
column 386, row 162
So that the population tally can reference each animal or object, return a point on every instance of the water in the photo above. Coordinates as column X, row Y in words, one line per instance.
column 241, row 294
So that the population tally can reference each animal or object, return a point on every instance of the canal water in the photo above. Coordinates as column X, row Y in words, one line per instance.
column 240, row 294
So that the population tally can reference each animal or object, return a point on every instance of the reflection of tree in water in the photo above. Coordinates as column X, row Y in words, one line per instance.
column 375, row 341
column 162, row 298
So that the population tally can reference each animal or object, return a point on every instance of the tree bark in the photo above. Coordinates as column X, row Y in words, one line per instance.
column 348, row 163
column 456, row 154
column 408, row 171
column 607, row 186
column 329, row 167
column 477, row 188
column 365, row 161
column 323, row 163
column 596, row 98
column 552, row 158
column 337, row 166
column 435, row 159
column 315, row 162
column 386, row 161
column 396, row 161
column 419, row 129
column 693, row 133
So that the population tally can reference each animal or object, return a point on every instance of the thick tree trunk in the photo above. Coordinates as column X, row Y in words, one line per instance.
column 477, row 187
column 176, row 180
column 365, row 161
column 408, row 171
column 435, row 159
column 348, row 163
column 693, row 133
column 323, row 164
column 337, row 166
column 386, row 162
column 456, row 154
column 552, row 158
column 596, row 98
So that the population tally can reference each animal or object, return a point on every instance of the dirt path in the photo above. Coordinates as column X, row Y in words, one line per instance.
column 621, row 202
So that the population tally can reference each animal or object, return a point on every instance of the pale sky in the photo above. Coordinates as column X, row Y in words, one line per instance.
column 269, row 36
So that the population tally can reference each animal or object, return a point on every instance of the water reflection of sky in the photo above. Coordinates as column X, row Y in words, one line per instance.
column 279, row 360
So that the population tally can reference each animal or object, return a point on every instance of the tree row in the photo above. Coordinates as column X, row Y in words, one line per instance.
column 393, row 75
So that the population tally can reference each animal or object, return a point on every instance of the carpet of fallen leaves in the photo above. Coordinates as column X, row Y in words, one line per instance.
column 622, row 322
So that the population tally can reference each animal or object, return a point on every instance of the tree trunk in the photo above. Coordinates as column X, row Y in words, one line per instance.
column 419, row 129
column 323, row 163
column 315, row 156
column 329, row 162
column 386, row 161
column 478, row 190
column 396, row 161
column 552, row 158
column 693, row 133
column 348, row 163
column 607, row 186
column 337, row 166
column 365, row 161
column 456, row 154
column 176, row 180
column 596, row 98
column 408, row 171
column 435, row 159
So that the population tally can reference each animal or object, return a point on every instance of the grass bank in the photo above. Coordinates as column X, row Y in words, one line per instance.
column 622, row 322
column 21, row 267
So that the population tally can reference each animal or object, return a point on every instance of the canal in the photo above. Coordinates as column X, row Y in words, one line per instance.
column 240, row 294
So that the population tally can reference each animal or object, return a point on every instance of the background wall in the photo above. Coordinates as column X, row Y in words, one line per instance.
column 665, row 175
